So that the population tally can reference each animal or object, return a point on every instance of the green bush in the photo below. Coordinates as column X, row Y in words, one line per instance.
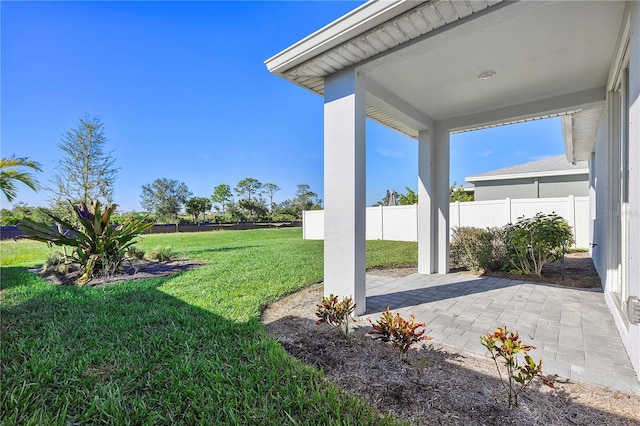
column 135, row 252
column 161, row 254
column 532, row 242
column 477, row 249
column 98, row 247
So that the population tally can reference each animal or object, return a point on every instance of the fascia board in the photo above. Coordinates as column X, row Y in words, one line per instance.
column 343, row 29
column 528, row 175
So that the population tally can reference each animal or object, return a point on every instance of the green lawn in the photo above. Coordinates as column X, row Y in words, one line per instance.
column 184, row 349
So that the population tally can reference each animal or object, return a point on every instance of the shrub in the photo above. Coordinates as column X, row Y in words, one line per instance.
column 532, row 242
column 56, row 260
column 335, row 313
column 507, row 345
column 400, row 332
column 477, row 249
column 161, row 254
column 135, row 252
column 98, row 247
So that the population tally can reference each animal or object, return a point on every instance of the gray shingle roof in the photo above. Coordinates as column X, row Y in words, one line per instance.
column 557, row 165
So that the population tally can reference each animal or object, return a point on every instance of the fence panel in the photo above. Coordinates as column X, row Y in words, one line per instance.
column 400, row 223
column 375, row 223
column 313, row 225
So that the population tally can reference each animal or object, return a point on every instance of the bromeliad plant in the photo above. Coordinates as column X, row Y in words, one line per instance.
column 335, row 313
column 507, row 345
column 400, row 332
column 98, row 247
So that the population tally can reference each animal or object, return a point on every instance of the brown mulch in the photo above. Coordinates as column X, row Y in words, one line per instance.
column 132, row 270
column 579, row 272
column 436, row 384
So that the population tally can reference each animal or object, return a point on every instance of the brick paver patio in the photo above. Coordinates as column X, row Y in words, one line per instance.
column 573, row 330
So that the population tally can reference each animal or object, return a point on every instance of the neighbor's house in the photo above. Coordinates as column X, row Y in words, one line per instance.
column 547, row 178
column 432, row 68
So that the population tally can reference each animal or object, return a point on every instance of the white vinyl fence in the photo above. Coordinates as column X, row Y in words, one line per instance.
column 400, row 223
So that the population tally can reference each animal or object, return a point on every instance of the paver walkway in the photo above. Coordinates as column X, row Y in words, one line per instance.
column 573, row 330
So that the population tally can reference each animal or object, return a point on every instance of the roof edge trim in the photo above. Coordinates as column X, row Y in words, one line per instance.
column 528, row 175
column 354, row 23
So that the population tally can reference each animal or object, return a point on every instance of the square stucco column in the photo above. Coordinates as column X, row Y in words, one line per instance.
column 344, row 187
column 433, row 201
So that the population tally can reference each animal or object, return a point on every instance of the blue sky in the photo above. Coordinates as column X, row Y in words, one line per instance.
column 183, row 93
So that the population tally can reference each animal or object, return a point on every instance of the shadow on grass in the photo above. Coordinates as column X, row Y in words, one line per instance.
column 16, row 276
column 132, row 354
column 218, row 250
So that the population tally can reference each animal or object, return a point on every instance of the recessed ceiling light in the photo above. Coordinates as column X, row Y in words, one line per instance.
column 487, row 75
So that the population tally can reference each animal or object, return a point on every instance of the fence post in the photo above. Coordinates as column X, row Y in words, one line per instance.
column 572, row 216
column 456, row 210
column 508, row 209
column 304, row 228
column 381, row 222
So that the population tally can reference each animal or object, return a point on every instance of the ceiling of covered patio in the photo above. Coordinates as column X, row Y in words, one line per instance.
column 426, row 64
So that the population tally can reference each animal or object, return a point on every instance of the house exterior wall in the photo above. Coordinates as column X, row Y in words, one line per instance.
column 563, row 186
column 501, row 189
column 543, row 187
column 616, row 257
column 600, row 192
column 633, row 270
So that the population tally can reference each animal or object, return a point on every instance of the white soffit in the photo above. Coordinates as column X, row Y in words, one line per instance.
column 430, row 54
column 579, row 131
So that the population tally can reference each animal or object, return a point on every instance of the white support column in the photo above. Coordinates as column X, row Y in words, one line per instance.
column 344, row 187
column 426, row 252
column 441, row 189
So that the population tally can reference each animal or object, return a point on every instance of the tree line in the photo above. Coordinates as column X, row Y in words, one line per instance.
column 250, row 200
column 87, row 171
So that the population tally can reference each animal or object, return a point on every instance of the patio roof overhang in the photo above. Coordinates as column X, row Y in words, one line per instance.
column 423, row 62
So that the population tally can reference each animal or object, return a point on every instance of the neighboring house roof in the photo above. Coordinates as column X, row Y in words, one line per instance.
column 551, row 166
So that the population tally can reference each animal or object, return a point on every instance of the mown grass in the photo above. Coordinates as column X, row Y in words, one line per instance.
column 187, row 349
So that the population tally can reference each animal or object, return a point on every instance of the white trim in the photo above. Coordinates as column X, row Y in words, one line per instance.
column 343, row 29
column 567, row 135
column 584, row 171
column 570, row 102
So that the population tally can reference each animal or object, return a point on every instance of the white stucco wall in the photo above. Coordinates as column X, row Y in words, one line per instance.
column 633, row 338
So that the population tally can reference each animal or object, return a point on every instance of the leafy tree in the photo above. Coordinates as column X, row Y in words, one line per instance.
column 305, row 199
column 165, row 197
column 86, row 171
column 255, row 209
column 10, row 175
column 196, row 205
column 270, row 189
column 222, row 194
column 409, row 198
column 457, row 193
column 248, row 187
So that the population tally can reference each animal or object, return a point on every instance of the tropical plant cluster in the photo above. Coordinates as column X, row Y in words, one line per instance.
column 335, row 313
column 97, row 247
column 506, row 345
column 523, row 247
column 402, row 334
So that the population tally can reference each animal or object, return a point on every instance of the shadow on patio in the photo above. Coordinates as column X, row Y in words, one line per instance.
column 572, row 329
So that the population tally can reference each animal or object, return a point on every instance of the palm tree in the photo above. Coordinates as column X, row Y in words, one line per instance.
column 10, row 175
